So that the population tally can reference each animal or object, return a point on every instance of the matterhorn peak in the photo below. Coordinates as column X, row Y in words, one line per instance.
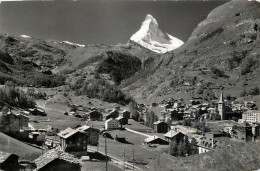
column 151, row 37
column 150, row 17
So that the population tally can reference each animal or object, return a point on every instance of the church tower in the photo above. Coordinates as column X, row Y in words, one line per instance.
column 221, row 106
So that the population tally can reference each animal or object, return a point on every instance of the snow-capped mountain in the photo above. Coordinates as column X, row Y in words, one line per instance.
column 151, row 37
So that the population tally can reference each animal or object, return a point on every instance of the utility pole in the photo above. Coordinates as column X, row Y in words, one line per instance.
column 106, row 150
column 133, row 159
column 124, row 158
column 42, row 148
column 159, row 160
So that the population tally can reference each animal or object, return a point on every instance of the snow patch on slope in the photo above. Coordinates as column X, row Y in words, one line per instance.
column 25, row 36
column 152, row 38
column 73, row 44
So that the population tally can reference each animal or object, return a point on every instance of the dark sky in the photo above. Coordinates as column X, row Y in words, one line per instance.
column 100, row 21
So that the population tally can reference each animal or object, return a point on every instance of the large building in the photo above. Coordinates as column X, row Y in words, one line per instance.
column 111, row 124
column 251, row 116
column 211, row 141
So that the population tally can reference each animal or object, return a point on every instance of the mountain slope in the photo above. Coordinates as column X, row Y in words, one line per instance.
column 223, row 51
column 24, row 55
column 11, row 145
column 151, row 37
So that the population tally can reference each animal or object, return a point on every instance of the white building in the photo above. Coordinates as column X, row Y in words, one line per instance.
column 251, row 116
column 111, row 124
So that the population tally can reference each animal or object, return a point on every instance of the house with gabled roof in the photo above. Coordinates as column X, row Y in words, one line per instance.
column 160, row 127
column 155, row 140
column 122, row 121
column 92, row 133
column 114, row 114
column 16, row 122
column 8, row 161
column 54, row 160
column 95, row 115
column 173, row 135
column 72, row 140
column 126, row 114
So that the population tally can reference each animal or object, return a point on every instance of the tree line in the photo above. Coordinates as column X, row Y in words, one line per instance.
column 13, row 96
column 100, row 89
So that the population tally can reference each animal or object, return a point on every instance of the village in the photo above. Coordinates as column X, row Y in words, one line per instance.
column 116, row 139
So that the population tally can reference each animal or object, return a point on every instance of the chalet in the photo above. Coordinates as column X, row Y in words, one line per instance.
column 160, row 127
column 126, row 114
column 155, row 140
column 37, row 137
column 8, row 161
column 95, row 116
column 122, row 121
column 92, row 133
column 114, row 114
column 37, row 111
column 16, row 122
column 111, row 124
column 54, row 160
column 244, row 132
column 189, row 114
column 212, row 141
column 72, row 140
column 176, row 115
column 174, row 136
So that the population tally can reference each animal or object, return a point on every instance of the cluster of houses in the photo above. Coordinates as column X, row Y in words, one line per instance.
column 243, row 122
column 116, row 119
column 242, row 126
column 218, row 109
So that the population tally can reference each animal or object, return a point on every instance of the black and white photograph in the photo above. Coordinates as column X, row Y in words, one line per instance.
column 129, row 85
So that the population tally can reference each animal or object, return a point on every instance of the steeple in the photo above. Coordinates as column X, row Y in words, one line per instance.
column 221, row 106
column 221, row 99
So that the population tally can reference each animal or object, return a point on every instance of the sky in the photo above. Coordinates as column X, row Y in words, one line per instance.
column 100, row 21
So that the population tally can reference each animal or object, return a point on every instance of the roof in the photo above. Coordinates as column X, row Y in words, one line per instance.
column 67, row 132
column 158, row 122
column 20, row 114
column 83, row 128
column 120, row 117
column 51, row 155
column 152, row 138
column 113, row 111
column 109, row 120
column 4, row 156
column 172, row 134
